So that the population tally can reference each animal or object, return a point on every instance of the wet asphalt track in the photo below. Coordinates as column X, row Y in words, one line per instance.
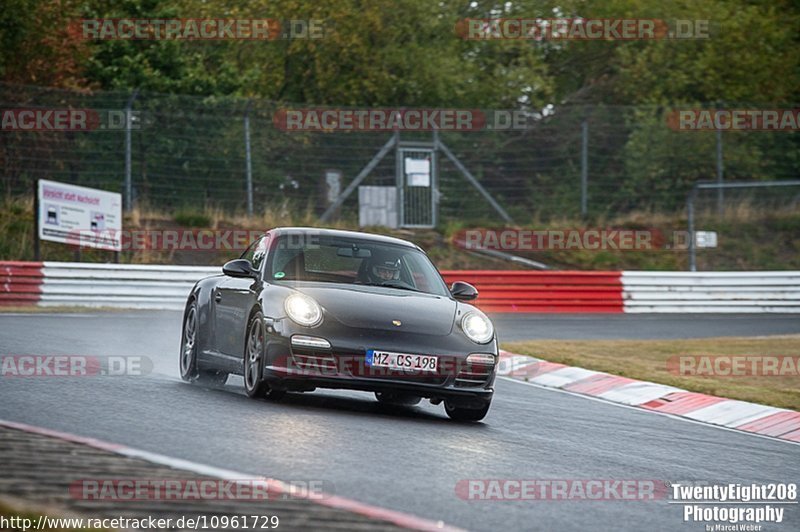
column 406, row 459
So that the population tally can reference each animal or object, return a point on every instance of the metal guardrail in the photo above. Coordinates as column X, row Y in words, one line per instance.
column 117, row 285
column 739, row 292
column 52, row 284
column 20, row 283
column 537, row 291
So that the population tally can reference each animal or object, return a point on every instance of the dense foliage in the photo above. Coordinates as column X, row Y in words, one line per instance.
column 407, row 53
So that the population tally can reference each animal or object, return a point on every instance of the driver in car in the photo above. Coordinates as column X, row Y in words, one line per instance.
column 382, row 269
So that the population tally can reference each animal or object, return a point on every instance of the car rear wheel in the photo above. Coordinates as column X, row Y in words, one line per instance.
column 399, row 399
column 460, row 413
column 254, row 384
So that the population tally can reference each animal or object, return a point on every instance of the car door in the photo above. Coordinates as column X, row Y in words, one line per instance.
column 233, row 300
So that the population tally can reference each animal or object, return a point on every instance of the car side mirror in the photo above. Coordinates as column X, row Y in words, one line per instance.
column 463, row 291
column 240, row 268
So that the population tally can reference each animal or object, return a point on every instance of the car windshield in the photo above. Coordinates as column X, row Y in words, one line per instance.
column 327, row 259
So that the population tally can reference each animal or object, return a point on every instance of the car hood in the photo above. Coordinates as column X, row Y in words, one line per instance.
column 368, row 307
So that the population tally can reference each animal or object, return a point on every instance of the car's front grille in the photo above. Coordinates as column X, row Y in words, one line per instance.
column 314, row 362
column 473, row 375
column 360, row 369
column 318, row 362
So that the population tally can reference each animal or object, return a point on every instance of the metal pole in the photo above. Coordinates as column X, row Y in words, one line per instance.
column 248, row 160
column 435, row 179
column 720, row 169
column 128, row 126
column 37, row 256
column 584, row 166
column 399, row 182
column 690, row 210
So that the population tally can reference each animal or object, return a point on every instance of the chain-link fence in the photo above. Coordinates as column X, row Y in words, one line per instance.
column 595, row 161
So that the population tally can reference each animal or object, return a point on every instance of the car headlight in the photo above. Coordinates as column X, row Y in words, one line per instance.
column 477, row 327
column 303, row 310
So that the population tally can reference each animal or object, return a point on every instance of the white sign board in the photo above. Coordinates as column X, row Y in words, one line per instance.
column 418, row 172
column 705, row 239
column 80, row 216
column 333, row 178
column 377, row 206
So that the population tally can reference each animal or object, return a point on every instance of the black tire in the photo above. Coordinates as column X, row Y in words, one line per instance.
column 189, row 366
column 397, row 399
column 255, row 342
column 188, row 354
column 459, row 413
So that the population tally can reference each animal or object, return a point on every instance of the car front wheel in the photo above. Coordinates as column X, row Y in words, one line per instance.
column 254, row 384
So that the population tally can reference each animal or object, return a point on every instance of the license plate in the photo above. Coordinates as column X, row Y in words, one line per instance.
column 402, row 361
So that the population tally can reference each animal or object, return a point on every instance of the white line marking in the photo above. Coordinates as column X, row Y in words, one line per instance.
column 646, row 410
column 331, row 501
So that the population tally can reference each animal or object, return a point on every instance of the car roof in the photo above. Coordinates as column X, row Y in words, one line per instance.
column 340, row 233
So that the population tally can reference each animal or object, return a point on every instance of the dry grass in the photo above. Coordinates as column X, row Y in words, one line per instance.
column 647, row 360
column 751, row 237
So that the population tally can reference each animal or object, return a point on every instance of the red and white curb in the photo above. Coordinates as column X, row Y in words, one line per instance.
column 274, row 486
column 739, row 415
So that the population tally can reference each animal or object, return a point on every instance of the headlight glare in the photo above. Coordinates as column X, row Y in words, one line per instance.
column 477, row 327
column 303, row 310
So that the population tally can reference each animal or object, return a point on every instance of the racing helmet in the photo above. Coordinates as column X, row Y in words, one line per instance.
column 382, row 269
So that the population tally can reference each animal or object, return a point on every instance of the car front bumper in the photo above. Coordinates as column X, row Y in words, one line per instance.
column 343, row 364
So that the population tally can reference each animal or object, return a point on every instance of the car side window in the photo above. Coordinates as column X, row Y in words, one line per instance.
column 260, row 253
column 257, row 252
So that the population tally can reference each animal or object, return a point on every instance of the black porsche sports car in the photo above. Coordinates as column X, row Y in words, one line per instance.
column 316, row 308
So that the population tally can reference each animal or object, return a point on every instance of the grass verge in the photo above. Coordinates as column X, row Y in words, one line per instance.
column 647, row 360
